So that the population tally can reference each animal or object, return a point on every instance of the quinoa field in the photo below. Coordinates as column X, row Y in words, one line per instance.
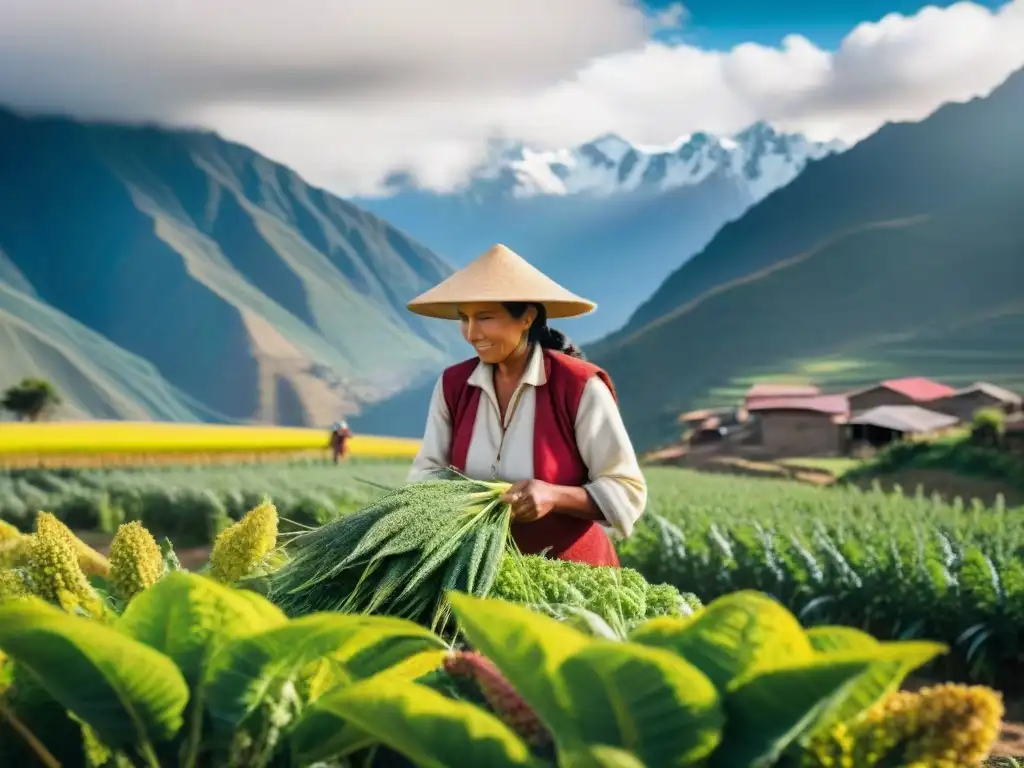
column 894, row 565
column 941, row 579
column 122, row 443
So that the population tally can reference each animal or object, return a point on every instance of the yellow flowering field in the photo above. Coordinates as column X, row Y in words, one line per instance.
column 83, row 443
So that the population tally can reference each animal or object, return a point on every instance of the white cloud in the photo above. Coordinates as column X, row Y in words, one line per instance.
column 347, row 91
column 672, row 16
column 899, row 68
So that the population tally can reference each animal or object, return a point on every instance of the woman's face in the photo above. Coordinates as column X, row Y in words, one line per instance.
column 492, row 331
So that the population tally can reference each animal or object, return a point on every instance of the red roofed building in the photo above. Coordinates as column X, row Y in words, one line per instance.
column 801, row 426
column 761, row 392
column 908, row 391
column 836, row 405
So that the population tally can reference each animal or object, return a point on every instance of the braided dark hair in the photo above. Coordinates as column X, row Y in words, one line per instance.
column 540, row 332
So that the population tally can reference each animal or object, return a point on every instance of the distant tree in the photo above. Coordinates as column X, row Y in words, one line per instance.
column 988, row 427
column 30, row 399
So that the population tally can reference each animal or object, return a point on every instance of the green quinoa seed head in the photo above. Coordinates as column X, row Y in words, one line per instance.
column 621, row 596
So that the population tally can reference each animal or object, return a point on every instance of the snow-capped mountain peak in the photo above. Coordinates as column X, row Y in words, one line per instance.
column 759, row 158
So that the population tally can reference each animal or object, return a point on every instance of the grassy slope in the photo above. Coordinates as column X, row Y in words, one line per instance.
column 900, row 257
column 955, row 453
column 94, row 376
column 241, row 285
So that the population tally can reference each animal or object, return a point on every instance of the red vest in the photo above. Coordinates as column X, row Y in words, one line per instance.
column 556, row 458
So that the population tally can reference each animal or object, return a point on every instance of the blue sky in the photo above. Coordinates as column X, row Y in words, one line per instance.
column 722, row 24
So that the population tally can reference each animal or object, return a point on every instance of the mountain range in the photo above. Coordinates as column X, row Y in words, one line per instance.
column 159, row 274
column 163, row 274
column 759, row 158
column 583, row 214
column 903, row 255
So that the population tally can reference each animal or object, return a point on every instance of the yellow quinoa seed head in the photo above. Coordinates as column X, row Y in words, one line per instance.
column 12, row 585
column 8, row 532
column 945, row 726
column 243, row 546
column 54, row 571
column 14, row 552
column 91, row 561
column 135, row 560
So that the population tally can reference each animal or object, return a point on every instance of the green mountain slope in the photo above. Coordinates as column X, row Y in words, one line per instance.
column 96, row 377
column 215, row 282
column 904, row 256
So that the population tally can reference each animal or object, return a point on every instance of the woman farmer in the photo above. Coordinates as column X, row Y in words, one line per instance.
column 527, row 409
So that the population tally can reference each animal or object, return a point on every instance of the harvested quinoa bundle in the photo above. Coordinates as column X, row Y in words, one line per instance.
column 402, row 554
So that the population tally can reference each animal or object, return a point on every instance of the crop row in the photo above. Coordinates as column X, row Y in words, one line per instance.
column 145, row 664
column 116, row 437
column 190, row 505
column 892, row 565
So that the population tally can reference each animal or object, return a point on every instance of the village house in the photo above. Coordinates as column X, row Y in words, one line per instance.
column 704, row 417
column 801, row 425
column 965, row 402
column 908, row 391
column 798, row 420
column 887, row 423
column 715, row 425
column 761, row 392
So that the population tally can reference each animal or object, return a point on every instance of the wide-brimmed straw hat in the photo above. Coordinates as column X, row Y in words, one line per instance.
column 500, row 274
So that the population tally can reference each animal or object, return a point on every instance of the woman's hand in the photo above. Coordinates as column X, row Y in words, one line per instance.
column 531, row 500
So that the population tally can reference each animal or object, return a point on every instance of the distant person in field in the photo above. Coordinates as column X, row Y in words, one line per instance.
column 528, row 410
column 340, row 434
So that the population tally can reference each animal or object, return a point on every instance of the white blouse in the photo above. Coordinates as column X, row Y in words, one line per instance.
column 616, row 484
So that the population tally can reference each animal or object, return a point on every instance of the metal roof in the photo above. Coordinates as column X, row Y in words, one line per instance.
column 782, row 390
column 905, row 418
column 992, row 390
column 918, row 388
column 831, row 404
